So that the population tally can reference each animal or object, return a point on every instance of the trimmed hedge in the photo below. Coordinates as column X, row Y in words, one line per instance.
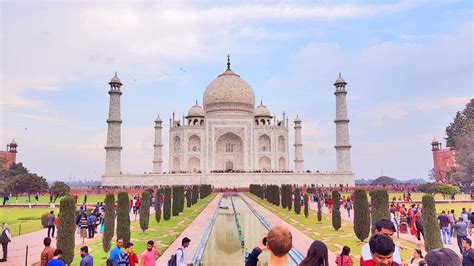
column 431, row 228
column 109, row 221
column 361, row 215
column 380, row 208
column 123, row 217
column 65, row 236
column 336, row 210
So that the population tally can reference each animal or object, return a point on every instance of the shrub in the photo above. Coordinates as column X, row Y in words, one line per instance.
column 289, row 201
column 189, row 200
column 319, row 214
column 65, row 236
column 380, row 208
column 306, row 211
column 145, row 210
column 336, row 210
column 109, row 221
column 361, row 215
column 297, row 201
column 44, row 219
column 123, row 217
column 167, row 204
column 158, row 206
column 175, row 207
column 431, row 228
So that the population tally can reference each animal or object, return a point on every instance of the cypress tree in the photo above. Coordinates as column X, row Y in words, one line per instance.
column 277, row 195
column 289, row 201
column 158, row 206
column 319, row 214
column 336, row 210
column 65, row 236
column 175, row 203
column 181, row 198
column 430, row 226
column 123, row 217
column 167, row 204
column 297, row 201
column 109, row 221
column 195, row 194
column 380, row 208
column 145, row 211
column 283, row 197
column 306, row 211
column 361, row 215
column 189, row 201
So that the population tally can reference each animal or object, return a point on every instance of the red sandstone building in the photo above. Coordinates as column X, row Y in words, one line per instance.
column 8, row 157
column 444, row 161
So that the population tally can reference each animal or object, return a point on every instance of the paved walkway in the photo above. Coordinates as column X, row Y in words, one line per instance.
column 300, row 240
column 194, row 232
column 407, row 237
column 34, row 241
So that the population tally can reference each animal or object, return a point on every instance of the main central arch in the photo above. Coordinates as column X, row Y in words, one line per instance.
column 229, row 153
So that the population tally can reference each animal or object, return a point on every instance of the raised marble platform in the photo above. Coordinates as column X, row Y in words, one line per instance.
column 229, row 180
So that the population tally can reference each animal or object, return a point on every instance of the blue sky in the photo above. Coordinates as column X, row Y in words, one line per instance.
column 409, row 65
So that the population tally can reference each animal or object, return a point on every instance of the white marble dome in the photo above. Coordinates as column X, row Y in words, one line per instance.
column 196, row 111
column 262, row 111
column 229, row 92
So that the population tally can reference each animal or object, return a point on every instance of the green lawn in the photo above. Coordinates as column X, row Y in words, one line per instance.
column 163, row 233
column 91, row 198
column 416, row 196
column 30, row 219
column 324, row 231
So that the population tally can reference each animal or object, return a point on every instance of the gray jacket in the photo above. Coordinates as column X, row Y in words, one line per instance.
column 50, row 220
column 460, row 229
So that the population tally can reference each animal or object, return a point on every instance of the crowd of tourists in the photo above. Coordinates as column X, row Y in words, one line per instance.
column 380, row 250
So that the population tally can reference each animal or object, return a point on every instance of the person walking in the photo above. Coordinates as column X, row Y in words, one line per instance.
column 132, row 256
column 150, row 255
column 452, row 222
column 91, row 225
column 87, row 260
column 5, row 238
column 116, row 253
column 444, row 226
column 48, row 252
column 468, row 255
column 50, row 224
column 348, row 207
column 419, row 225
column 84, row 224
column 461, row 232
column 180, row 252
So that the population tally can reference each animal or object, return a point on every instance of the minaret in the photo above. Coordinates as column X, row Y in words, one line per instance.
column 157, row 159
column 343, row 147
column 113, row 147
column 298, row 147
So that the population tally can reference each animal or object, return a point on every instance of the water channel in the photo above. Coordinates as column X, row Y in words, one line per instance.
column 226, row 245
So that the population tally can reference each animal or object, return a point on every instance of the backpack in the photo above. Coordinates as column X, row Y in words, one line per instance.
column 172, row 260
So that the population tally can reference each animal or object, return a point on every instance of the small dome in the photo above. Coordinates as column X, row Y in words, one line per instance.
column 158, row 119
column 340, row 80
column 13, row 142
column 435, row 141
column 196, row 110
column 262, row 110
column 297, row 119
column 115, row 80
column 229, row 92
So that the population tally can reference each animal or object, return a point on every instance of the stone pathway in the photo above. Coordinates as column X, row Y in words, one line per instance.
column 407, row 237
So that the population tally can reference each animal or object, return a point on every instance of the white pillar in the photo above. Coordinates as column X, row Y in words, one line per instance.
column 298, row 147
column 343, row 146
column 113, row 146
column 157, row 150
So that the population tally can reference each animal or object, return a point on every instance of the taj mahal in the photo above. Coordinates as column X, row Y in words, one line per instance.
column 228, row 142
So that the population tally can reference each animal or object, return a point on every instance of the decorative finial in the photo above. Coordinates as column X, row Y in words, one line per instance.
column 340, row 75
column 115, row 73
column 228, row 62
column 261, row 102
column 196, row 102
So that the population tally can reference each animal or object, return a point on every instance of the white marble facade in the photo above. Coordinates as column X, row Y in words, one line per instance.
column 228, row 133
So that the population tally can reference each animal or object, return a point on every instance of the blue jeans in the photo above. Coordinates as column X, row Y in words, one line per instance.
column 446, row 233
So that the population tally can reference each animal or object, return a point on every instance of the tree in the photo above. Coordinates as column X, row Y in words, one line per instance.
column 297, row 201
column 319, row 214
column 189, row 200
column 448, row 190
column 361, row 215
column 431, row 227
column 336, row 210
column 158, row 205
column 463, row 123
column 123, row 217
column 385, row 180
column 65, row 237
column 167, row 204
column 109, row 221
column 428, row 188
column 380, row 209
column 305, row 202
column 59, row 189
column 27, row 183
column 289, row 201
column 181, row 197
column 175, row 206
column 284, row 204
column 145, row 211
column 464, row 174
